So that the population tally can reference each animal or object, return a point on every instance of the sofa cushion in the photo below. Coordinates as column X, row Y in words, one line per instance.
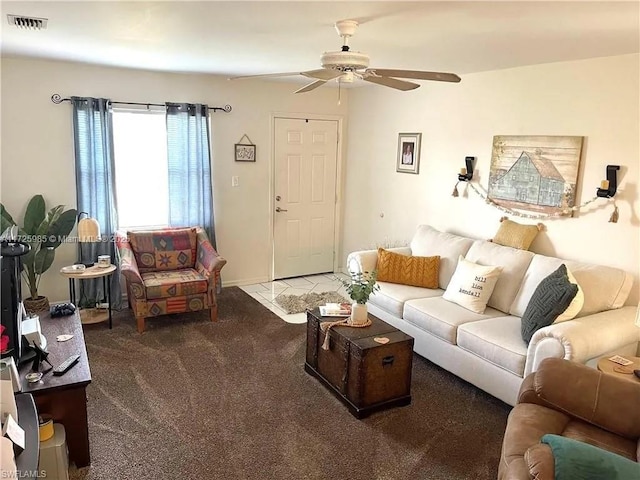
column 514, row 264
column 441, row 317
column 429, row 242
column 407, row 269
column 174, row 283
column 169, row 249
column 472, row 285
column 496, row 340
column 165, row 306
column 391, row 296
column 550, row 299
column 605, row 288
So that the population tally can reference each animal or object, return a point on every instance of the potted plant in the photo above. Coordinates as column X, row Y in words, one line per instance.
column 44, row 231
column 359, row 287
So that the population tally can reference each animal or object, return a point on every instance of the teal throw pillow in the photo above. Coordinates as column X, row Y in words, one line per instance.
column 580, row 461
column 552, row 297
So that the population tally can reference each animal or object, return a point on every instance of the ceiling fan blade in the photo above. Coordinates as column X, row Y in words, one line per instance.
column 417, row 74
column 311, row 86
column 391, row 82
column 322, row 74
column 264, row 75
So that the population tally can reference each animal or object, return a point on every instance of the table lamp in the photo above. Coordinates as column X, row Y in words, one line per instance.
column 88, row 232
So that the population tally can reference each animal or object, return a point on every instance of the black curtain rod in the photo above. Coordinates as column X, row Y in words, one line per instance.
column 57, row 99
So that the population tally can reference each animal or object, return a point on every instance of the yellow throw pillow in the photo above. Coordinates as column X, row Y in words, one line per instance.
column 516, row 235
column 408, row 270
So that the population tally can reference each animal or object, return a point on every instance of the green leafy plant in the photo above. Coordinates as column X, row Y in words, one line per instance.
column 361, row 285
column 44, row 231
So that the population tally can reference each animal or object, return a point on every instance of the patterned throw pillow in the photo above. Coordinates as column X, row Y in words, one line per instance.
column 516, row 235
column 408, row 270
column 472, row 285
column 552, row 297
column 170, row 249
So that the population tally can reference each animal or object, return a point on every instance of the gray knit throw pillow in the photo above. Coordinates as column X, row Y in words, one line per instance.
column 551, row 298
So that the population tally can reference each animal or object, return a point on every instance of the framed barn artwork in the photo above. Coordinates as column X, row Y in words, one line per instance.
column 536, row 173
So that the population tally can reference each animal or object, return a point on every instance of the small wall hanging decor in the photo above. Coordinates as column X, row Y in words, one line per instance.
column 408, row 153
column 536, row 173
column 245, row 152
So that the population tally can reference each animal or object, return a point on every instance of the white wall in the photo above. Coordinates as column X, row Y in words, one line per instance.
column 596, row 98
column 37, row 147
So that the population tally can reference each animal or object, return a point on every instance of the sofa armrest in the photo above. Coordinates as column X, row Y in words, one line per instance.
column 366, row 260
column 584, row 338
column 604, row 400
column 129, row 266
column 208, row 261
column 540, row 461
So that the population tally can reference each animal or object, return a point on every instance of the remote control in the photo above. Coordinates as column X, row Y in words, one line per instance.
column 66, row 365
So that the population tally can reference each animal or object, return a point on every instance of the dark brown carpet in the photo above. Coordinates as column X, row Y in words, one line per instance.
column 191, row 399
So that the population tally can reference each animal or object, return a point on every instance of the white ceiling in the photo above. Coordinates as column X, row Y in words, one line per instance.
column 235, row 38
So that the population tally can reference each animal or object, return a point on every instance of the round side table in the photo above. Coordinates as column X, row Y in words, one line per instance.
column 607, row 366
column 86, row 274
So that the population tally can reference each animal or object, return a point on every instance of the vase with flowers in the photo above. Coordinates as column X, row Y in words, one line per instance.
column 360, row 286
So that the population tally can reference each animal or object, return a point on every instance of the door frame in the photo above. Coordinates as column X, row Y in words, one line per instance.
column 337, row 235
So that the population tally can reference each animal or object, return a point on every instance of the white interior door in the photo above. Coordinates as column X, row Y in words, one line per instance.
column 306, row 153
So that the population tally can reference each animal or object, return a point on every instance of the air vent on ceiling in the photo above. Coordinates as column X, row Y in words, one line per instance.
column 31, row 23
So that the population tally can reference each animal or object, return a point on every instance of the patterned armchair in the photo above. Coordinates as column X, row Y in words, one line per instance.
column 173, row 270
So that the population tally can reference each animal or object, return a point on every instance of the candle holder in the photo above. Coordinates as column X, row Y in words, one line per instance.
column 466, row 174
column 609, row 186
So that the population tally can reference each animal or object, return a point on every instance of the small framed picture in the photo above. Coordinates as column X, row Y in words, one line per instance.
column 245, row 152
column 408, row 153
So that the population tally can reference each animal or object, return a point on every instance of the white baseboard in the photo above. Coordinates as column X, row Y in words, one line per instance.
column 245, row 281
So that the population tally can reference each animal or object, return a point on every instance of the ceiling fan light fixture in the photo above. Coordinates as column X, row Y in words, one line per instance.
column 344, row 60
column 348, row 77
column 346, row 66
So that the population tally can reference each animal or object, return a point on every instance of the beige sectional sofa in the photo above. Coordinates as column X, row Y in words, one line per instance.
column 487, row 349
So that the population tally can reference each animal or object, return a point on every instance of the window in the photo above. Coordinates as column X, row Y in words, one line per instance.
column 142, row 183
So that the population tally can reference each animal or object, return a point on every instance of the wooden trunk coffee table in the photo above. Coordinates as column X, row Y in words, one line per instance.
column 368, row 368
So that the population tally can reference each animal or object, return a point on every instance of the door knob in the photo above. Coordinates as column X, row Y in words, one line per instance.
column 278, row 209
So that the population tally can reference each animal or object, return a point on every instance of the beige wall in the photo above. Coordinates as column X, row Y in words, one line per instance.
column 37, row 147
column 596, row 98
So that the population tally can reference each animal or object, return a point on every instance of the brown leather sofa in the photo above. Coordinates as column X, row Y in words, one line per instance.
column 575, row 401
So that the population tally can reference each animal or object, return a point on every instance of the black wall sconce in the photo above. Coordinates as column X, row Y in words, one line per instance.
column 466, row 174
column 609, row 186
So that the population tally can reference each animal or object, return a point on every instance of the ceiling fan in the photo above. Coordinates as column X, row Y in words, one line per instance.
column 345, row 66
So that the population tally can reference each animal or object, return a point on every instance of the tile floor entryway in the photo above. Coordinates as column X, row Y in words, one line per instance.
column 266, row 293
